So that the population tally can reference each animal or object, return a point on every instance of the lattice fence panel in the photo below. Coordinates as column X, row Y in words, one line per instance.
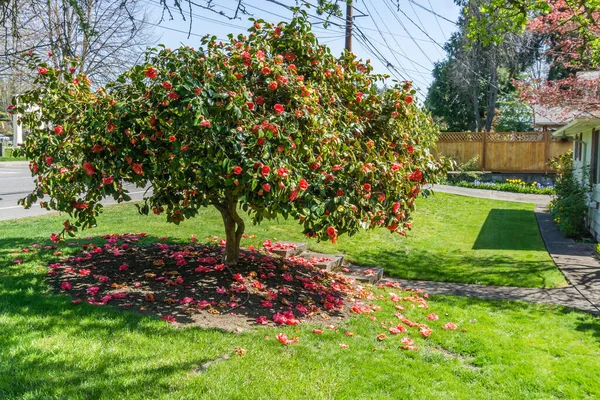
column 516, row 137
column 461, row 137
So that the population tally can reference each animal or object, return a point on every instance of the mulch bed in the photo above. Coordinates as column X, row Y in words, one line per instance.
column 188, row 284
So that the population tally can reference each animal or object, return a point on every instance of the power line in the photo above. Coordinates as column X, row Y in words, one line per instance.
column 383, row 37
column 407, row 31
column 432, row 12
column 438, row 22
column 386, row 42
column 421, row 22
column 368, row 45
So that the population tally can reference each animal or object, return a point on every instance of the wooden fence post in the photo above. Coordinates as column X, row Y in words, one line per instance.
column 483, row 150
column 546, row 151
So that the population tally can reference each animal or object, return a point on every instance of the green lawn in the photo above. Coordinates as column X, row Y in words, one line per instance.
column 52, row 349
column 12, row 159
column 455, row 239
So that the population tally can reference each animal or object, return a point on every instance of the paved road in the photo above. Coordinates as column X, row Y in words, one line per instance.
column 16, row 182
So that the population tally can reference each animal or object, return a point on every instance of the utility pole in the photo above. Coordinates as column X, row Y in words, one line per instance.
column 349, row 9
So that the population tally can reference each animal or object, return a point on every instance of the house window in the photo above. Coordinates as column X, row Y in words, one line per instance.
column 578, row 147
column 595, row 162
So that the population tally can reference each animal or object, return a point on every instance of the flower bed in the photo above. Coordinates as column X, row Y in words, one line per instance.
column 510, row 185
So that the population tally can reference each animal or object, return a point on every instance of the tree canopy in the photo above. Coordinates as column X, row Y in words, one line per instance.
column 270, row 122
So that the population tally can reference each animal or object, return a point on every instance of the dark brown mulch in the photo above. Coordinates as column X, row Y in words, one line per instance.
column 187, row 284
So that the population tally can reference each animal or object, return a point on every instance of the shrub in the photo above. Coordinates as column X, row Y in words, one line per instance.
column 270, row 123
column 569, row 208
column 511, row 185
column 469, row 171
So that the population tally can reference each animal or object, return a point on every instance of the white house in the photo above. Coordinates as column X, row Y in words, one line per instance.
column 585, row 131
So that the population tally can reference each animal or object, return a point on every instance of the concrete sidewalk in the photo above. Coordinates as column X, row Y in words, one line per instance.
column 540, row 200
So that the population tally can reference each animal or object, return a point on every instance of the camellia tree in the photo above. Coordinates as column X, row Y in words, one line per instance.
column 270, row 123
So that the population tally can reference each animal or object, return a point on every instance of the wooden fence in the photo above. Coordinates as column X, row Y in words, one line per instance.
column 504, row 151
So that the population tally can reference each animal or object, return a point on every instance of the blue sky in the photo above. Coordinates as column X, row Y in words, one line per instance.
column 387, row 29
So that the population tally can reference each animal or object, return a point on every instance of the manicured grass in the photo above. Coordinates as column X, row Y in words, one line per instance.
column 52, row 349
column 12, row 159
column 455, row 239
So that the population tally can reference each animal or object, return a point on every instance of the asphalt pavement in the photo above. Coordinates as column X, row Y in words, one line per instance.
column 16, row 182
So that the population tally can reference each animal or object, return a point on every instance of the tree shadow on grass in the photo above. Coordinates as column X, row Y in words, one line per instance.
column 44, row 340
column 509, row 230
column 459, row 267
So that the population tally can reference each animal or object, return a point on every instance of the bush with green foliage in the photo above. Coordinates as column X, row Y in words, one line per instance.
column 270, row 123
column 570, row 206
column 510, row 185
column 469, row 171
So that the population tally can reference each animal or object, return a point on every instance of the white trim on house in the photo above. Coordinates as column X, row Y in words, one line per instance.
column 577, row 126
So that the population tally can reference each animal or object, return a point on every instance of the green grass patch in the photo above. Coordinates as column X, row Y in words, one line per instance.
column 12, row 159
column 455, row 239
column 52, row 349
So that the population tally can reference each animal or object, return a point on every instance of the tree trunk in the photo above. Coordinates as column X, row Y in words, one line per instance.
column 234, row 229
column 492, row 95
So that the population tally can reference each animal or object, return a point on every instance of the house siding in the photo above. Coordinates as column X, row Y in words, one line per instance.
column 593, row 215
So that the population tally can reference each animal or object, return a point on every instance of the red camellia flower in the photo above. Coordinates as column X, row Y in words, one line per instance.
column 108, row 180
column 266, row 187
column 265, row 70
column 49, row 160
column 410, row 149
column 260, row 56
column 167, row 85
column 197, row 90
column 172, row 138
column 205, row 123
column 273, row 85
column 339, row 192
column 265, row 170
column 42, row 71
column 173, row 96
column 260, row 100
column 72, row 70
column 151, row 72
column 290, row 56
column 293, row 195
column 237, row 170
column 97, row 148
column 303, row 184
column 278, row 108
column 408, row 99
column 367, row 187
column 396, row 207
column 137, row 168
column 58, row 129
column 260, row 141
column 88, row 168
column 66, row 286
column 416, row 176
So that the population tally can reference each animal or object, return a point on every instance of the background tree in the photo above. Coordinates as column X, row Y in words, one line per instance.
column 466, row 86
column 105, row 35
column 567, row 86
column 270, row 123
